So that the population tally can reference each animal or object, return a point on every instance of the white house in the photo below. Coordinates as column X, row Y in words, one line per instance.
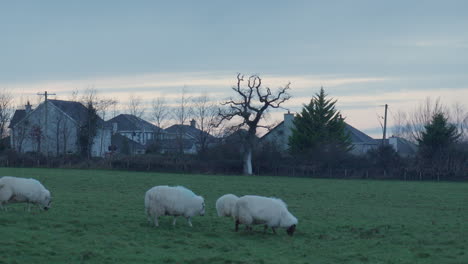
column 281, row 133
column 52, row 129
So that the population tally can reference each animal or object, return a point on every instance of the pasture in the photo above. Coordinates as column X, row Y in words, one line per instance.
column 98, row 217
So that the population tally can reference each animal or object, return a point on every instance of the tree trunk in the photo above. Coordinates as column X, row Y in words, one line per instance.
column 248, row 160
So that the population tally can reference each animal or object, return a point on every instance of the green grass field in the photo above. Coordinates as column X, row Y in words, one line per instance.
column 98, row 217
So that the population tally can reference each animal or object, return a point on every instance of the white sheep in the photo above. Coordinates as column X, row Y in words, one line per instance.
column 16, row 190
column 175, row 201
column 271, row 212
column 226, row 204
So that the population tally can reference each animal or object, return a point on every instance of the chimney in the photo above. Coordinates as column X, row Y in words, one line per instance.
column 288, row 124
column 193, row 123
column 28, row 108
column 288, row 120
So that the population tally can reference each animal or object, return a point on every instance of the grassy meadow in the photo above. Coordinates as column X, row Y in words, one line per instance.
column 98, row 217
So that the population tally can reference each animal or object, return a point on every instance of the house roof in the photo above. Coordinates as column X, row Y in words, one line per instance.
column 119, row 141
column 278, row 126
column 127, row 122
column 172, row 145
column 17, row 116
column 237, row 136
column 189, row 130
column 75, row 110
column 404, row 147
column 358, row 137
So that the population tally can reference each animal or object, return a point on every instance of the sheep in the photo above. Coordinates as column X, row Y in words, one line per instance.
column 226, row 204
column 272, row 212
column 175, row 201
column 16, row 190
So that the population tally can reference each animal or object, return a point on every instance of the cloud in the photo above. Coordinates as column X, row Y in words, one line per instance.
column 169, row 85
column 437, row 43
column 360, row 99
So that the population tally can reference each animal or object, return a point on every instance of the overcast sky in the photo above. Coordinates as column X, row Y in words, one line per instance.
column 364, row 53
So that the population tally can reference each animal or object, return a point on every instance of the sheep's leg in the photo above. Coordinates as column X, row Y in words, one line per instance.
column 29, row 207
column 274, row 231
column 148, row 217
column 237, row 226
column 189, row 221
column 156, row 223
column 174, row 221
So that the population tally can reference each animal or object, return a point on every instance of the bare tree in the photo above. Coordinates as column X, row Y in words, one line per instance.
column 183, row 109
column 57, row 124
column 159, row 111
column 400, row 121
column 136, row 106
column 159, row 114
column 102, row 107
column 459, row 115
column 205, row 115
column 411, row 125
column 422, row 116
column 181, row 114
column 21, row 132
column 250, row 104
column 36, row 136
column 6, row 110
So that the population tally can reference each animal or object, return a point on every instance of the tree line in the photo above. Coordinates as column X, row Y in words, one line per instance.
column 317, row 146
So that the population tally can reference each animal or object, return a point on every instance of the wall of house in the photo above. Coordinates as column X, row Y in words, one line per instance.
column 362, row 148
column 101, row 142
column 280, row 135
column 141, row 137
column 57, row 137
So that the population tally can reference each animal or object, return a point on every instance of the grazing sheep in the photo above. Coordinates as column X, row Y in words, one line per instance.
column 272, row 212
column 16, row 190
column 226, row 205
column 175, row 201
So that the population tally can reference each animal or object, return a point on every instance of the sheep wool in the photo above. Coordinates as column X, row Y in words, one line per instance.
column 22, row 190
column 226, row 205
column 271, row 212
column 172, row 200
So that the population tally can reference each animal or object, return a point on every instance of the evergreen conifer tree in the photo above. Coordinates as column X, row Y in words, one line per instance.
column 438, row 137
column 319, row 129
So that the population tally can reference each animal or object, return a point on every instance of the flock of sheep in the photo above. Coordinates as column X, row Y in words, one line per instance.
column 174, row 201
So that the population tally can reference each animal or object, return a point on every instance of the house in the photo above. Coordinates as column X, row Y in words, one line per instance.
column 280, row 134
column 187, row 139
column 403, row 147
column 52, row 129
column 141, row 133
column 123, row 144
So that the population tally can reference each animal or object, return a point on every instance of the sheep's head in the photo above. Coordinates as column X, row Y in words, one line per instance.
column 201, row 205
column 46, row 200
column 202, row 211
column 291, row 230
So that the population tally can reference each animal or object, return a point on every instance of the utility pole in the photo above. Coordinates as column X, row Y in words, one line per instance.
column 45, row 94
column 385, row 125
